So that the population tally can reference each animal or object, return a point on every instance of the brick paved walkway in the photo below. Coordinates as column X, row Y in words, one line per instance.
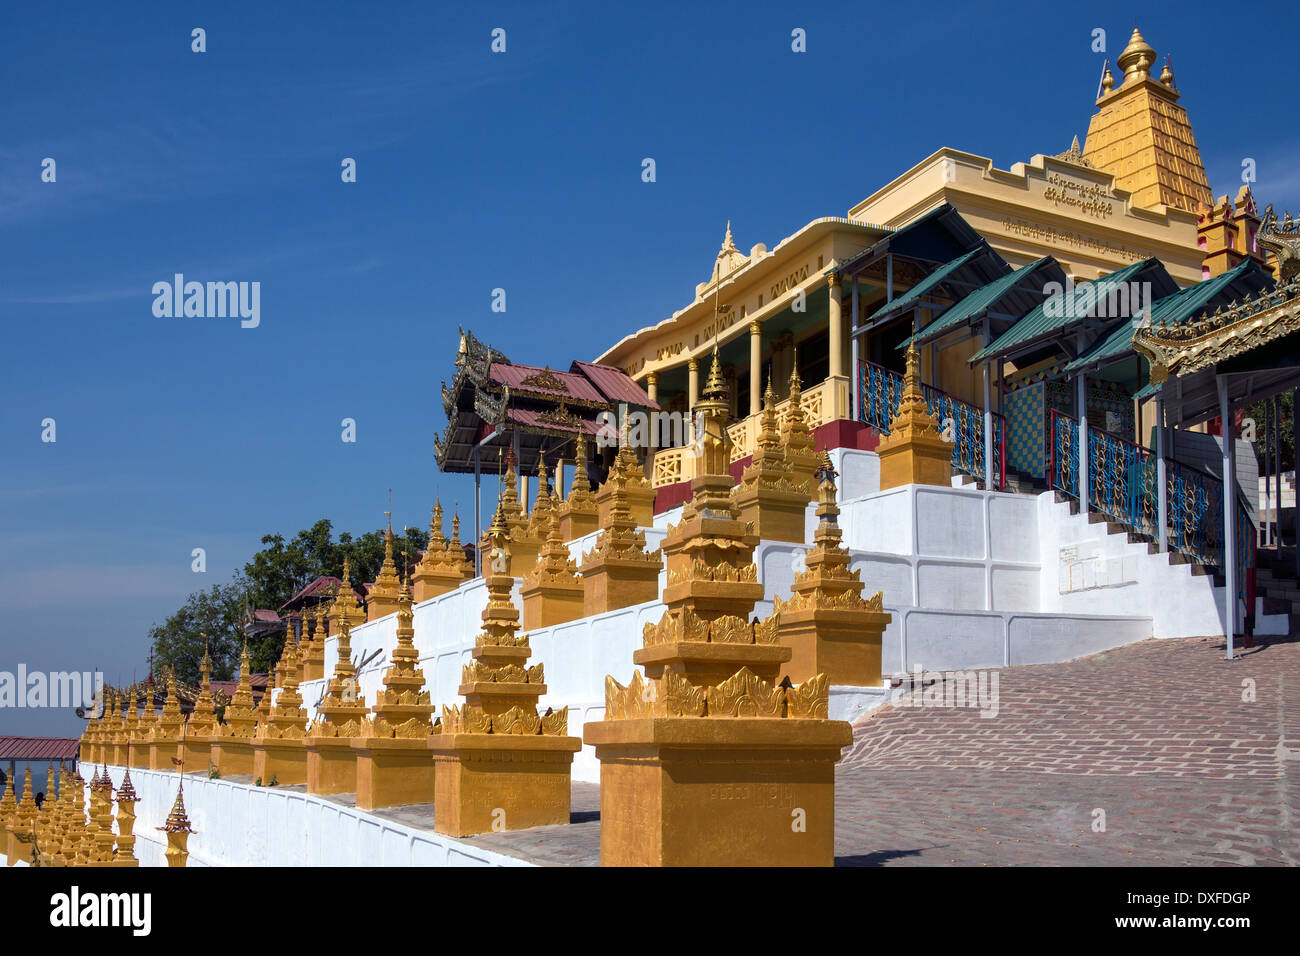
column 1155, row 735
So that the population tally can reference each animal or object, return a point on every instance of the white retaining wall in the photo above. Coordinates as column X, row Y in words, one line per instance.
column 238, row 824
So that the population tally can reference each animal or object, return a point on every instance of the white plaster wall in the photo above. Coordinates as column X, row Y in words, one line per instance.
column 238, row 824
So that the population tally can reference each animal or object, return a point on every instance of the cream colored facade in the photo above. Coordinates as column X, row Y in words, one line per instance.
column 1047, row 207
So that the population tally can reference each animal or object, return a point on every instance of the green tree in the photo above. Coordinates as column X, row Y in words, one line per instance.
column 217, row 612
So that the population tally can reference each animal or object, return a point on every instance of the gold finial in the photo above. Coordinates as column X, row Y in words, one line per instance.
column 715, row 386
column 1137, row 57
column 1167, row 74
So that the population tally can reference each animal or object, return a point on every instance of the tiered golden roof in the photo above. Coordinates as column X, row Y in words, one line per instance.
column 402, row 708
column 1143, row 137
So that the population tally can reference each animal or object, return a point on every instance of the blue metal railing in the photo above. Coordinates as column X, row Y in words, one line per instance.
column 1122, row 485
column 881, row 390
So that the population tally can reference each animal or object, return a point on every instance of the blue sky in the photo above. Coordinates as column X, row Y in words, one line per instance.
column 475, row 170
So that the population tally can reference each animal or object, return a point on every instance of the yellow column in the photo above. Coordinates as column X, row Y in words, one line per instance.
column 836, row 332
column 693, row 393
column 755, row 367
column 652, row 386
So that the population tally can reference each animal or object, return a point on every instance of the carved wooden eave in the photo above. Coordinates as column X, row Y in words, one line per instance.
column 1242, row 327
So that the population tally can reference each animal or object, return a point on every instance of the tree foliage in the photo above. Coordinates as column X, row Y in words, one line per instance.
column 282, row 568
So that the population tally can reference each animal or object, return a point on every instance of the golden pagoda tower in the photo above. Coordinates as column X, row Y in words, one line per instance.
column 441, row 568
column 90, row 740
column 539, row 522
column 456, row 552
column 101, row 819
column 516, row 516
column 619, row 572
column 278, row 750
column 165, row 743
column 148, row 724
column 79, row 839
column 713, row 719
column 331, row 761
column 232, row 747
column 393, row 763
column 382, row 599
column 637, row 490
column 126, row 801
column 525, row 543
column 828, row 626
column 769, row 496
column 136, row 731
column 8, row 807
column 122, row 735
column 202, row 728
column 114, row 748
column 312, row 653
column 797, row 438
column 52, row 840
column 129, row 729
column 915, row 451
column 345, row 599
column 500, row 766
column 18, row 825
column 46, row 819
column 578, row 513
column 178, row 829
column 1142, row 136
column 552, row 591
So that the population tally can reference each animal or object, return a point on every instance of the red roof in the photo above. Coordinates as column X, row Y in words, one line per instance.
column 615, row 384
column 262, row 614
column 575, row 385
column 38, row 748
column 324, row 586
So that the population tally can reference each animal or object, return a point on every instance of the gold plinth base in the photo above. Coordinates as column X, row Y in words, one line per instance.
column 313, row 669
column 116, row 755
column 776, row 515
column 545, row 605
column 393, row 772
column 708, row 664
column 724, row 791
column 577, row 524
column 199, row 756
column 162, row 753
column 20, row 849
column 331, row 765
column 488, row 782
column 430, row 584
column 140, row 754
column 844, row 645
column 611, row 583
column 640, row 503
column 283, row 760
column 233, row 755
column 919, row 460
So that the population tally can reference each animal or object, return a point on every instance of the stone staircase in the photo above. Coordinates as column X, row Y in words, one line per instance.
column 1276, row 583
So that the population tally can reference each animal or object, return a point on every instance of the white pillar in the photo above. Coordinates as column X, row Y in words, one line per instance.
column 1229, row 520
column 1162, row 494
column 478, row 515
column 1081, row 406
column 856, row 407
column 836, row 326
column 989, row 484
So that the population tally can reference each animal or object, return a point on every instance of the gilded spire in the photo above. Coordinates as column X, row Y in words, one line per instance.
column 1137, row 58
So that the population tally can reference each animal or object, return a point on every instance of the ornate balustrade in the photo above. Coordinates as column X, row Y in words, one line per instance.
column 1122, row 485
column 963, row 422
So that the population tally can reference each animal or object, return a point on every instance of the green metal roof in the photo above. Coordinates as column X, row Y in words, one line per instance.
column 925, row 285
column 1173, row 309
column 975, row 303
column 1071, row 306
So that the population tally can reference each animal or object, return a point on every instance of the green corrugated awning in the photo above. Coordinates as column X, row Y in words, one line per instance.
column 975, row 303
column 924, row 286
column 1059, row 312
column 1171, row 310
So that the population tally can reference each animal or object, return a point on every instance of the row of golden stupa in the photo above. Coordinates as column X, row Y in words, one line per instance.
column 723, row 751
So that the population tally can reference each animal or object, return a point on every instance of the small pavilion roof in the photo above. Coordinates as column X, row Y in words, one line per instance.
column 1019, row 292
column 1052, row 320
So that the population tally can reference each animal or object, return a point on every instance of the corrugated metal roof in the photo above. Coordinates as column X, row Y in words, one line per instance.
column 575, row 385
column 38, row 748
column 982, row 298
column 1174, row 309
column 921, row 288
column 1059, row 312
column 614, row 384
